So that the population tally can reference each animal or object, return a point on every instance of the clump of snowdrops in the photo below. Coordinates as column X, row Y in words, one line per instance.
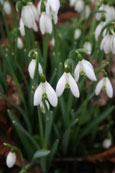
column 56, row 107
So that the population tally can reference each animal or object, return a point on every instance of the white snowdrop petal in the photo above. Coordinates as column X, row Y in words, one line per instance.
column 48, row 24
column 73, row 86
column 39, row 8
column 34, row 10
column 11, row 159
column 27, row 16
column 113, row 44
column 87, row 45
column 31, row 68
column 35, row 27
column 7, row 7
column 77, row 34
column 72, row 2
column 55, row 18
column 40, row 68
column 55, row 5
column 61, row 85
column 51, row 94
column 77, row 72
column 79, row 6
column 107, row 143
column 19, row 43
column 38, row 95
column 89, row 71
column 99, row 87
column 109, row 88
column 42, row 23
column 21, row 28
column 42, row 106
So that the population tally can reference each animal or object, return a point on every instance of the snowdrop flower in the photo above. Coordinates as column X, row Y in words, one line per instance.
column 108, row 43
column 107, row 143
column 110, row 13
column 99, row 29
column 53, row 6
column 11, row 159
column 79, row 6
column 7, row 7
column 104, row 83
column 72, row 2
column 21, row 28
column 31, row 68
column 42, row 106
column 88, row 46
column 99, row 15
column 19, row 43
column 45, row 90
column 29, row 16
column 84, row 67
column 87, row 11
column 53, row 42
column 67, row 80
column 77, row 34
column 45, row 23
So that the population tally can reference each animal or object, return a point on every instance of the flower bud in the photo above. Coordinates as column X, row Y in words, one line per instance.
column 107, row 143
column 7, row 8
column 11, row 159
column 19, row 43
column 77, row 34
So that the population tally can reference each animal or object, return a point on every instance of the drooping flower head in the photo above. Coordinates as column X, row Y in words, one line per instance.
column 104, row 83
column 84, row 67
column 10, row 159
column 45, row 90
column 67, row 81
column 29, row 16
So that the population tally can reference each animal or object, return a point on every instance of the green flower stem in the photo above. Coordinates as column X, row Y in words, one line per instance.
column 45, row 51
column 69, row 107
column 14, row 148
column 41, row 126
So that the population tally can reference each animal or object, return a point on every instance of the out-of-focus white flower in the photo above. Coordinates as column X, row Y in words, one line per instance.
column 42, row 106
column 107, row 143
column 79, row 6
column 45, row 90
column 7, row 7
column 52, row 5
column 84, row 67
column 20, row 44
column 88, row 46
column 104, row 83
column 108, row 13
column 32, row 66
column 53, row 42
column 29, row 16
column 87, row 11
column 77, row 34
column 72, row 2
column 11, row 159
column 45, row 23
column 67, row 80
column 108, row 43
column 21, row 28
column 100, row 14
column 99, row 29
